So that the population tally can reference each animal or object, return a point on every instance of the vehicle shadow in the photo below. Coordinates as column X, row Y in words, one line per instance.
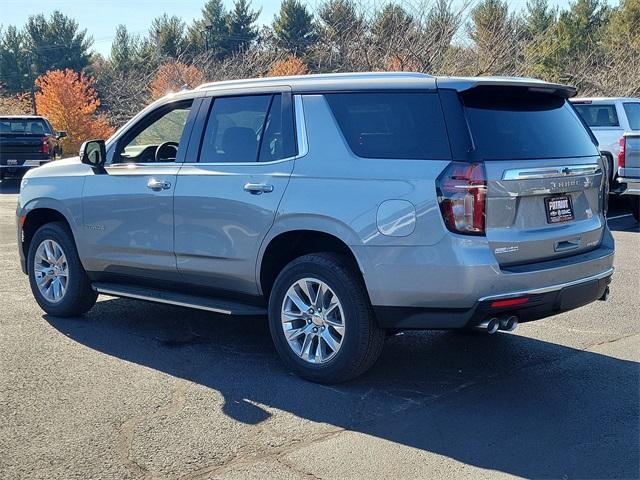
column 508, row 403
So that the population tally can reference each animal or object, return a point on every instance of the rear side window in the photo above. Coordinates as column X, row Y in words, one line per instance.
column 515, row 123
column 632, row 109
column 598, row 115
column 399, row 125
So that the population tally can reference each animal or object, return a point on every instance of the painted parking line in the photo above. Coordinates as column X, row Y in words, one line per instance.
column 619, row 216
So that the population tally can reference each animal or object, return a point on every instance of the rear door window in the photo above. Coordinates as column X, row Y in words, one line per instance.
column 598, row 115
column 398, row 125
column 632, row 109
column 515, row 123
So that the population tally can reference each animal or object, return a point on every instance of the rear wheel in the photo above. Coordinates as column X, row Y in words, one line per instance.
column 58, row 281
column 321, row 320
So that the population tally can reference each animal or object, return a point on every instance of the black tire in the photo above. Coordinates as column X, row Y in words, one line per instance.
column 79, row 296
column 363, row 340
column 634, row 205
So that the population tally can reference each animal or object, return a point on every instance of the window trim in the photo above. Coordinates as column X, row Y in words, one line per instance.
column 299, row 129
column 186, row 134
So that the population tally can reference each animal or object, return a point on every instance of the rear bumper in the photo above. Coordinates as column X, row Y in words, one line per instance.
column 629, row 186
column 27, row 165
column 541, row 303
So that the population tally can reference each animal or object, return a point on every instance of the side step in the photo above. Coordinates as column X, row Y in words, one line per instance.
column 226, row 307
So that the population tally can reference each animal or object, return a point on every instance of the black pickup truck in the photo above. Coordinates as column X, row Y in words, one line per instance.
column 27, row 142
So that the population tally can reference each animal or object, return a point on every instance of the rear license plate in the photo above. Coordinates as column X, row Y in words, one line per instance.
column 12, row 161
column 559, row 209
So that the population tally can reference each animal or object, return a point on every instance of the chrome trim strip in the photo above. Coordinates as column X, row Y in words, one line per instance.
column 301, row 127
column 548, row 289
column 117, row 293
column 551, row 172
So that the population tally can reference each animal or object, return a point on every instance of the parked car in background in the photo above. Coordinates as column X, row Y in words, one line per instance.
column 608, row 119
column 341, row 205
column 27, row 142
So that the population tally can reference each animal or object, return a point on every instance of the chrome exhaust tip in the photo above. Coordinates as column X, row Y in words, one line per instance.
column 509, row 324
column 490, row 325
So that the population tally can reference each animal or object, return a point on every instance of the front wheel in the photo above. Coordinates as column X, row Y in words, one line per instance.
column 321, row 320
column 58, row 281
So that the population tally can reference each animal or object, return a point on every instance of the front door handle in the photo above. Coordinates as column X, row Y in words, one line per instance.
column 157, row 185
column 258, row 188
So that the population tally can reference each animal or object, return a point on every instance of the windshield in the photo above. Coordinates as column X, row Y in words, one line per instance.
column 514, row 123
column 24, row 126
column 632, row 109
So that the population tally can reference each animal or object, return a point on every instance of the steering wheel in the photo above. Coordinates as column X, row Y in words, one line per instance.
column 166, row 152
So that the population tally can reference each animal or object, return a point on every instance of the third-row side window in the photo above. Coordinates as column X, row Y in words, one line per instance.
column 247, row 129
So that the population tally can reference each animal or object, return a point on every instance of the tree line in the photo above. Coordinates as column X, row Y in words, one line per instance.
column 590, row 44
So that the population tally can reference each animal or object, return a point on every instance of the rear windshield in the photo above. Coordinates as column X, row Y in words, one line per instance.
column 31, row 126
column 513, row 123
column 395, row 125
column 632, row 109
column 598, row 115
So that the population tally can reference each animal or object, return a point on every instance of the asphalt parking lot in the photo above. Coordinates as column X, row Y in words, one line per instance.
column 138, row 390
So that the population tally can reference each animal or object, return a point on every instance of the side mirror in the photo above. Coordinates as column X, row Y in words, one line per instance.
column 93, row 153
column 61, row 134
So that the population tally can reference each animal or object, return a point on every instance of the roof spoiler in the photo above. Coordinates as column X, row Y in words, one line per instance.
column 463, row 84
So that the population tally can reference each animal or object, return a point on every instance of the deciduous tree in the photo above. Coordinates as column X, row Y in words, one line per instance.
column 68, row 100
column 174, row 76
column 292, row 65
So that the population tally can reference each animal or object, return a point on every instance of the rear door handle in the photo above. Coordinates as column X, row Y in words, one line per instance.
column 258, row 188
column 157, row 185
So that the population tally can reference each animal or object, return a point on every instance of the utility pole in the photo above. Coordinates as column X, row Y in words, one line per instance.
column 32, row 82
column 206, row 33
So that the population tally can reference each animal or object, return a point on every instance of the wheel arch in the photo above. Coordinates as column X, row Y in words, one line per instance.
column 39, row 213
column 284, row 245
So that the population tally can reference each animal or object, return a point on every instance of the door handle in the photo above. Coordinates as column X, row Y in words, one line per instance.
column 157, row 185
column 258, row 188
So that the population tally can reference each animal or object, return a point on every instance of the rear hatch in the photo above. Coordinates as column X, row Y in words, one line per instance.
column 544, row 174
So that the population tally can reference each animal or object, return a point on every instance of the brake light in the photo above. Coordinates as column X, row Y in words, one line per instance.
column 44, row 146
column 621, row 153
column 462, row 197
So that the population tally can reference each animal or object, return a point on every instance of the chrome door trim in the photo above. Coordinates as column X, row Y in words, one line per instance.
column 550, row 288
column 551, row 172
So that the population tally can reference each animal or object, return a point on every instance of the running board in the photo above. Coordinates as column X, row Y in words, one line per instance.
column 179, row 299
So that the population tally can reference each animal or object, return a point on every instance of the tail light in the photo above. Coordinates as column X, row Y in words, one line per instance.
column 462, row 197
column 621, row 153
column 44, row 146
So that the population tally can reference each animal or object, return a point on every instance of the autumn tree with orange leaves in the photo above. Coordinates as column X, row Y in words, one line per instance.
column 172, row 77
column 291, row 65
column 69, row 101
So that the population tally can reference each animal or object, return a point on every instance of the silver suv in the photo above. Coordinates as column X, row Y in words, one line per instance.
column 343, row 206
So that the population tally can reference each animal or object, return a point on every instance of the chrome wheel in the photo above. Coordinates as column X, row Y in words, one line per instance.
column 313, row 320
column 51, row 270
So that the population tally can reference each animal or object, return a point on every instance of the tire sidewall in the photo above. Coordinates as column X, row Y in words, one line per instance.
column 76, row 274
column 352, row 308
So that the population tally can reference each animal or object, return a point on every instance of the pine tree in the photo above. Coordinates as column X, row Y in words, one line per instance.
column 241, row 29
column 57, row 43
column 539, row 17
column 14, row 62
column 124, row 51
column 293, row 27
column 210, row 33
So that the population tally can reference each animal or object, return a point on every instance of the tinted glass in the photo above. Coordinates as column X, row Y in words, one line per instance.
column 632, row 109
column 514, row 123
column 278, row 141
column 392, row 125
column 234, row 129
column 24, row 126
column 598, row 115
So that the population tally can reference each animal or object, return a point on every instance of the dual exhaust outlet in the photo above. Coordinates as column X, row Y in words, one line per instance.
column 493, row 324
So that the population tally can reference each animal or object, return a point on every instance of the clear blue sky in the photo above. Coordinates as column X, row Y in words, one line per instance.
column 100, row 17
